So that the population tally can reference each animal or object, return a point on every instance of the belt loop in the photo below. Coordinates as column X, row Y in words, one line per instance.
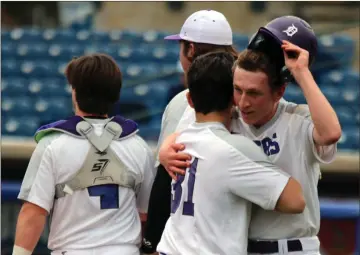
column 283, row 247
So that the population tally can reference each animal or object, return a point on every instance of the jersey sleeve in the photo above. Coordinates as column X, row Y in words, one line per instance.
column 324, row 154
column 148, row 170
column 38, row 185
column 170, row 119
column 253, row 177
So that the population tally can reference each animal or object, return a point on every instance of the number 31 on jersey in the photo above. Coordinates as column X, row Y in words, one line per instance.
column 188, row 206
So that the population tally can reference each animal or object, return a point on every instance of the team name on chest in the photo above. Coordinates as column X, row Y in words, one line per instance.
column 269, row 145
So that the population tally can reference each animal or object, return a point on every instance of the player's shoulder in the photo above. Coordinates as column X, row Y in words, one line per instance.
column 296, row 110
column 240, row 144
column 178, row 101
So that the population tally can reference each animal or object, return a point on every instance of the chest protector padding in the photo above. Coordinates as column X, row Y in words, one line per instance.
column 102, row 165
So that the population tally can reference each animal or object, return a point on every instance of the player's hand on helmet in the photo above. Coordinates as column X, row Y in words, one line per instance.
column 174, row 161
column 296, row 58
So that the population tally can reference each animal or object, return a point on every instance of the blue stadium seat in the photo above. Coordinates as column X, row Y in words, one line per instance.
column 293, row 93
column 21, row 126
column 52, row 109
column 60, row 52
column 83, row 37
column 143, row 103
column 63, row 36
column 47, row 87
column 350, row 96
column 154, row 37
column 350, row 138
column 31, row 35
column 165, row 55
column 150, row 132
column 125, row 36
column 332, row 94
column 5, row 36
column 16, row 106
column 346, row 115
column 13, row 86
column 10, row 67
column 240, row 41
column 33, row 69
column 31, row 51
column 335, row 51
column 341, row 78
column 101, row 37
column 8, row 50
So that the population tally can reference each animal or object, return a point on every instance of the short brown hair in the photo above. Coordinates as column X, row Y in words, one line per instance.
column 202, row 48
column 254, row 61
column 97, row 81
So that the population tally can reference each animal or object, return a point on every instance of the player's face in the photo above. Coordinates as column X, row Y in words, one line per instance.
column 253, row 96
column 185, row 63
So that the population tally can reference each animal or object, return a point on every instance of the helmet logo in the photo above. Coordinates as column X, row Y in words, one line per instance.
column 291, row 30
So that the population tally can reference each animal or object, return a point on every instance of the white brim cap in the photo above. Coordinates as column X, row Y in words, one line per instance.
column 205, row 26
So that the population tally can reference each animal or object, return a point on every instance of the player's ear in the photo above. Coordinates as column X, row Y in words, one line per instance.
column 279, row 93
column 188, row 97
column 191, row 51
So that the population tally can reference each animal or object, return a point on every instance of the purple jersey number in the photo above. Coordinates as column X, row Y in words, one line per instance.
column 188, row 207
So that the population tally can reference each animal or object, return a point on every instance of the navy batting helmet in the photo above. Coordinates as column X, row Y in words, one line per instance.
column 269, row 39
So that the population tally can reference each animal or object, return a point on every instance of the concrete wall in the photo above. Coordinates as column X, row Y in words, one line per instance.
column 155, row 15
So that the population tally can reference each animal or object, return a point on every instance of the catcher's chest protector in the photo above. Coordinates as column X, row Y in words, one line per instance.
column 102, row 165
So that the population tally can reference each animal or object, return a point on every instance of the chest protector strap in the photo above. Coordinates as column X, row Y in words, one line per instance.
column 102, row 165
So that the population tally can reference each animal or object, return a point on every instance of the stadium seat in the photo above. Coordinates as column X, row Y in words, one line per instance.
column 47, row 87
column 31, row 51
column 16, row 106
column 350, row 96
column 125, row 36
column 58, row 52
column 64, row 36
column 32, row 69
column 100, row 37
column 153, row 37
column 52, row 109
column 13, row 86
column 341, row 78
column 346, row 115
column 10, row 67
column 240, row 41
column 350, row 138
column 21, row 126
column 335, row 51
column 31, row 35
column 8, row 50
column 332, row 93
column 293, row 93
column 165, row 55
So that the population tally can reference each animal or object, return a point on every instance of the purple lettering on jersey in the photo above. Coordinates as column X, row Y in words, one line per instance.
column 69, row 125
column 188, row 206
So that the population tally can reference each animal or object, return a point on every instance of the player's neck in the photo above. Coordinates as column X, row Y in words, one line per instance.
column 223, row 118
column 85, row 114
column 268, row 117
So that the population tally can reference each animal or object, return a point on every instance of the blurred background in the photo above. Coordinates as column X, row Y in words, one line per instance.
column 39, row 38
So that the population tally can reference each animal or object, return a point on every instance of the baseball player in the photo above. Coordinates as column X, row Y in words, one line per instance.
column 295, row 137
column 203, row 31
column 90, row 174
column 227, row 172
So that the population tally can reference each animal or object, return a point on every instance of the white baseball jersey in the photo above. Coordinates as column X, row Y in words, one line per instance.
column 171, row 117
column 211, row 204
column 288, row 141
column 96, row 217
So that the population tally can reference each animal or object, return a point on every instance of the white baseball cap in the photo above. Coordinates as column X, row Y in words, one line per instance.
column 205, row 26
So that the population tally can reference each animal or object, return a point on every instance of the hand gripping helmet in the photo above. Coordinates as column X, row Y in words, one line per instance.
column 269, row 38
